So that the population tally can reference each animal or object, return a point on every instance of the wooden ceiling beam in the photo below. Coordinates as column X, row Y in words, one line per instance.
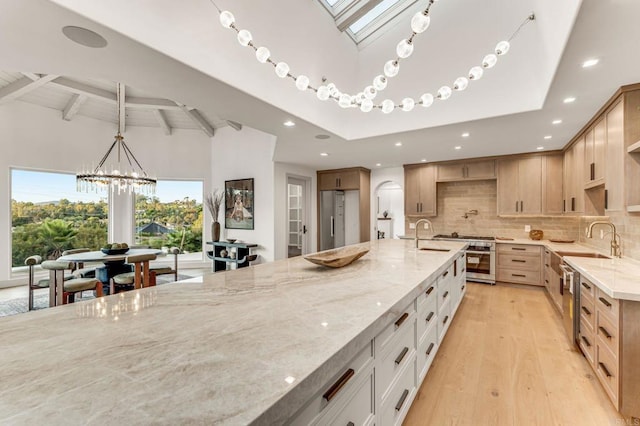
column 23, row 86
column 73, row 106
column 161, row 118
column 197, row 118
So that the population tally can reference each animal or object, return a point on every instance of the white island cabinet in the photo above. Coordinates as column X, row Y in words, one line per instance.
column 276, row 343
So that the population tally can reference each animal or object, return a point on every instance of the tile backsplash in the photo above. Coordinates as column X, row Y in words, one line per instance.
column 456, row 198
column 627, row 226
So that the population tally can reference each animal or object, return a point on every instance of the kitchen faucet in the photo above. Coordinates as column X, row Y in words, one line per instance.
column 417, row 225
column 615, row 243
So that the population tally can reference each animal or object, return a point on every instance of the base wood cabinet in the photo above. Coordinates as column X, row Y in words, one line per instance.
column 519, row 264
column 379, row 384
column 420, row 198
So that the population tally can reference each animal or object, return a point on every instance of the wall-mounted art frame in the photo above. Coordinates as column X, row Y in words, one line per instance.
column 238, row 201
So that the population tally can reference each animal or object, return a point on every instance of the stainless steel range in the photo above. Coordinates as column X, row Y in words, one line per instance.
column 481, row 256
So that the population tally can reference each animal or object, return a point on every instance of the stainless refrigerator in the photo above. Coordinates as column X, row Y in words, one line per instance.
column 331, row 219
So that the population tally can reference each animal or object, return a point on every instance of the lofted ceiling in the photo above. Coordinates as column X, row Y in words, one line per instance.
column 177, row 50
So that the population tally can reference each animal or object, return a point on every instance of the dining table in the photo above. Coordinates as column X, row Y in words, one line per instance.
column 113, row 264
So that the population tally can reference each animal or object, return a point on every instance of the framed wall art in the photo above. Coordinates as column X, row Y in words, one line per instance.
column 239, row 207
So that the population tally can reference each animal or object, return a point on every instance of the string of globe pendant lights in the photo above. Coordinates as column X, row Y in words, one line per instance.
column 364, row 100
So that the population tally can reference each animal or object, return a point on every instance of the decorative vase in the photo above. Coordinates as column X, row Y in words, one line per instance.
column 215, row 231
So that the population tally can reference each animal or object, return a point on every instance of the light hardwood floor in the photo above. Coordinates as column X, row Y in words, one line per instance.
column 506, row 360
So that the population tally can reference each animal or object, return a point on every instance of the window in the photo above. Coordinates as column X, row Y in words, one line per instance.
column 49, row 216
column 171, row 218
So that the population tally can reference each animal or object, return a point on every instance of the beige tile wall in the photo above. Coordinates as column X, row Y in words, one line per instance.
column 628, row 226
column 455, row 198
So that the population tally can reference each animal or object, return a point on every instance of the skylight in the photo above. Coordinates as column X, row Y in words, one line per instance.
column 371, row 15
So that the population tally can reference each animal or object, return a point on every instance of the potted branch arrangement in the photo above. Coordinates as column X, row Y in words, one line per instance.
column 213, row 201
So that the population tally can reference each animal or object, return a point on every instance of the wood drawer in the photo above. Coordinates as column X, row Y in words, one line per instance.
column 404, row 319
column 587, row 289
column 518, row 276
column 393, row 360
column 587, row 342
column 396, row 406
column 607, row 371
column 519, row 249
column 519, row 261
column 607, row 305
column 337, row 391
column 588, row 312
column 358, row 410
column 427, row 317
column 444, row 320
column 608, row 334
column 426, row 352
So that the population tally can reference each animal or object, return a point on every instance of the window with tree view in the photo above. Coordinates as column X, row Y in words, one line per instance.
column 49, row 216
column 171, row 218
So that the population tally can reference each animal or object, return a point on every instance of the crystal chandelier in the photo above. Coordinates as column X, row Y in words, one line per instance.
column 126, row 177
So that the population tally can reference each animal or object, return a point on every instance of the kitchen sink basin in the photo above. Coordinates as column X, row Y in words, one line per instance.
column 433, row 249
column 582, row 254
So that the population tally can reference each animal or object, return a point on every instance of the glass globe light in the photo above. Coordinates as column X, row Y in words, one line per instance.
column 502, row 48
column 380, row 82
column 475, row 73
column 408, row 104
column 387, row 106
column 366, row 105
column 344, row 101
column 489, row 61
column 244, row 37
column 360, row 97
column 427, row 100
column 444, row 93
column 323, row 93
column 391, row 68
column 302, row 82
column 461, row 83
column 420, row 22
column 262, row 54
column 227, row 19
column 404, row 49
column 370, row 92
column 282, row 69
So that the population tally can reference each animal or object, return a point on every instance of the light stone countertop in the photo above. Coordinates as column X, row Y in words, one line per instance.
column 238, row 347
column 619, row 278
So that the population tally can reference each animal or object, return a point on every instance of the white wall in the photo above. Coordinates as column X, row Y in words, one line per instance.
column 241, row 155
column 36, row 137
column 396, row 203
column 282, row 171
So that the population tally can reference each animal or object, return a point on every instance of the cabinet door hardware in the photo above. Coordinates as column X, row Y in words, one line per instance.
column 585, row 285
column 429, row 290
column 604, row 368
column 586, row 341
column 444, row 321
column 518, row 261
column 585, row 310
column 400, row 403
column 462, row 288
column 521, row 207
column 401, row 319
column 519, row 275
column 605, row 332
column 606, row 199
column 604, row 301
column 429, row 317
column 516, row 206
column 335, row 388
column 444, row 296
column 401, row 356
column 518, row 248
column 592, row 171
column 430, row 348
column 573, row 204
column 445, row 274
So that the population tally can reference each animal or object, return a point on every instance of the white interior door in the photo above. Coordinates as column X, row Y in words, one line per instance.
column 297, row 217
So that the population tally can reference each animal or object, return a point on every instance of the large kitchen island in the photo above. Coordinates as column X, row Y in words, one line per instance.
column 281, row 342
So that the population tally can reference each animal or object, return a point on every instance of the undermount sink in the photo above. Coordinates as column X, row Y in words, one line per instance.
column 433, row 249
column 582, row 254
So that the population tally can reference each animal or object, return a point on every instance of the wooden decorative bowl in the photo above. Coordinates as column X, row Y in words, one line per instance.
column 337, row 258
column 536, row 234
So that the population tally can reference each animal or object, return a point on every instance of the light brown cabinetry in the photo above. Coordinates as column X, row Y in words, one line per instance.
column 520, row 186
column 594, row 154
column 347, row 179
column 573, row 200
column 552, row 174
column 466, row 170
column 519, row 263
column 614, row 177
column 420, row 198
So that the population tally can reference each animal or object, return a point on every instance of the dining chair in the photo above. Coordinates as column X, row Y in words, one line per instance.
column 31, row 262
column 69, row 286
column 166, row 270
column 140, row 277
column 78, row 270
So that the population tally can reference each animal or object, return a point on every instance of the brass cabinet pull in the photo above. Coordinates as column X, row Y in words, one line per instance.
column 401, row 319
column 521, row 207
column 586, row 341
column 519, row 275
column 605, row 302
column 604, row 368
column 335, row 388
column 429, row 316
column 585, row 310
column 400, row 403
column 444, row 321
column 606, row 199
column 430, row 348
column 516, row 206
column 400, row 357
column 444, row 296
column 518, row 248
column 585, row 285
column 605, row 332
column 593, row 171
column 429, row 290
column 518, row 261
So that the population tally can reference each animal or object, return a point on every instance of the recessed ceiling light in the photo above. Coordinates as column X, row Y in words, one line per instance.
column 289, row 123
column 324, row 154
column 84, row 37
column 540, row 148
column 424, row 160
column 556, row 122
column 548, row 137
column 590, row 62
column 322, row 136
column 457, row 147
column 465, row 135
column 398, row 143
column 378, row 164
column 569, row 100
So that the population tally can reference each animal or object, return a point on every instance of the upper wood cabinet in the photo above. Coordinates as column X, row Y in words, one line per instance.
column 573, row 199
column 467, row 170
column 420, row 190
column 552, row 173
column 614, row 175
column 344, row 179
column 520, row 186
column 595, row 146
